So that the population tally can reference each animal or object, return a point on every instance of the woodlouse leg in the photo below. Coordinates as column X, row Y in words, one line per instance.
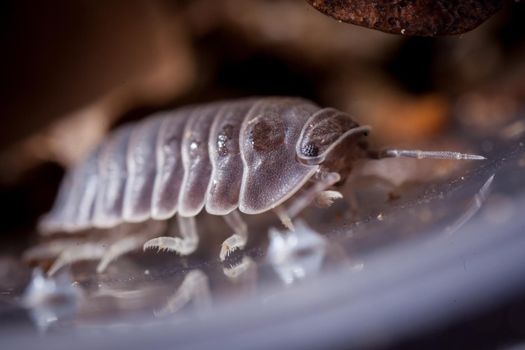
column 128, row 243
column 327, row 198
column 307, row 197
column 285, row 218
column 85, row 251
column 238, row 239
column 119, row 248
column 50, row 250
column 194, row 287
column 246, row 267
column 183, row 246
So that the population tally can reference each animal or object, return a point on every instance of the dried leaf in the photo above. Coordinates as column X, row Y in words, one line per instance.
column 411, row 17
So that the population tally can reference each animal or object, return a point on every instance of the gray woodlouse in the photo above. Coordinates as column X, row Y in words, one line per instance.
column 247, row 156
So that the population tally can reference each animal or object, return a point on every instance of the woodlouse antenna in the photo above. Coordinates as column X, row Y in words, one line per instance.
column 402, row 153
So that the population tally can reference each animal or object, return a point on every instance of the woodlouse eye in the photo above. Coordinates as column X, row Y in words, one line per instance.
column 310, row 150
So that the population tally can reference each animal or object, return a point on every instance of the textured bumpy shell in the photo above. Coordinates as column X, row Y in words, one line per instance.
column 220, row 156
column 411, row 17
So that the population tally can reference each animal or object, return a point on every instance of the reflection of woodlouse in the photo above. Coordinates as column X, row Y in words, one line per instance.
column 251, row 155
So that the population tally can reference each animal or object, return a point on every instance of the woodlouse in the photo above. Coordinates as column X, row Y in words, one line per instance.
column 247, row 156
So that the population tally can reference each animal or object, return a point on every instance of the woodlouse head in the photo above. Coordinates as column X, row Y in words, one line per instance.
column 326, row 135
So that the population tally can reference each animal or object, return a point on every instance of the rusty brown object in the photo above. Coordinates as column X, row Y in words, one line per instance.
column 411, row 17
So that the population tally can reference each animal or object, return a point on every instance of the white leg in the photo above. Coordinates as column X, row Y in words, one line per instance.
column 183, row 246
column 194, row 287
column 327, row 198
column 50, row 250
column 128, row 242
column 234, row 273
column 85, row 251
column 308, row 196
column 238, row 239
column 285, row 218
column 119, row 248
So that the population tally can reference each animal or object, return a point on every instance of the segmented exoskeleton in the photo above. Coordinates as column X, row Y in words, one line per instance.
column 247, row 156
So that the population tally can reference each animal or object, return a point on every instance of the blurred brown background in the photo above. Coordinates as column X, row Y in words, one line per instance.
column 73, row 70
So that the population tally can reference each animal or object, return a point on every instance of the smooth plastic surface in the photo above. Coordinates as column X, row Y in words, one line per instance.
column 408, row 260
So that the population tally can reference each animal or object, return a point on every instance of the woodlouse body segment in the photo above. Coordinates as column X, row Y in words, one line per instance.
column 196, row 162
column 109, row 201
column 77, row 210
column 170, row 172
column 225, row 157
column 268, row 137
column 142, row 168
